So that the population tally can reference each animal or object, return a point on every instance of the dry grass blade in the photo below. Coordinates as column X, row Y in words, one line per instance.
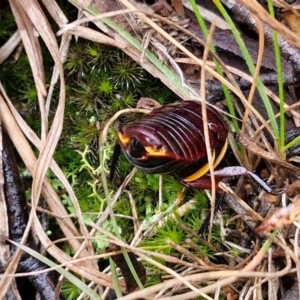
column 26, row 153
column 53, row 201
column 38, row 19
column 29, row 14
column 72, row 26
column 9, row 46
column 255, row 8
column 269, row 155
column 116, row 116
column 55, row 11
column 283, row 216
column 256, row 74
column 182, row 48
column 95, row 36
column 206, row 130
column 32, row 47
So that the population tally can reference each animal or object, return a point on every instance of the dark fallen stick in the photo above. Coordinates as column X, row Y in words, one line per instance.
column 18, row 217
column 120, row 261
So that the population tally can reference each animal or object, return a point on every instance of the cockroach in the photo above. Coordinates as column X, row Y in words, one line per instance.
column 170, row 140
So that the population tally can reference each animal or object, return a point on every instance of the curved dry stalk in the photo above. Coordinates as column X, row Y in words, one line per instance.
column 206, row 132
column 9, row 46
column 30, row 18
column 256, row 73
column 72, row 26
column 55, row 206
column 256, row 9
column 113, row 119
column 26, row 153
column 230, row 277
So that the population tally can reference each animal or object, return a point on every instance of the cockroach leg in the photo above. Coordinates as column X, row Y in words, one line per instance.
column 237, row 171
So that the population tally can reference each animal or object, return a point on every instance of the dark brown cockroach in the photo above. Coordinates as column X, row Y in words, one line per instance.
column 170, row 140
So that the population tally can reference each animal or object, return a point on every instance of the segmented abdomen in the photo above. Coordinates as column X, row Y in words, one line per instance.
column 178, row 130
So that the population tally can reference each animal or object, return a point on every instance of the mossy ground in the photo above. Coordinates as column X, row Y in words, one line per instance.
column 100, row 80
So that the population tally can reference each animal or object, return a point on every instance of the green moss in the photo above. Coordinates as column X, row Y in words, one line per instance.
column 7, row 27
column 100, row 80
column 105, row 88
column 127, row 73
column 70, row 291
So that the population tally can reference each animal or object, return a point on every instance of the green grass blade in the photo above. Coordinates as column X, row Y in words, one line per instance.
column 280, row 80
column 291, row 144
column 114, row 276
column 114, row 221
column 251, row 67
column 204, row 30
column 199, row 17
